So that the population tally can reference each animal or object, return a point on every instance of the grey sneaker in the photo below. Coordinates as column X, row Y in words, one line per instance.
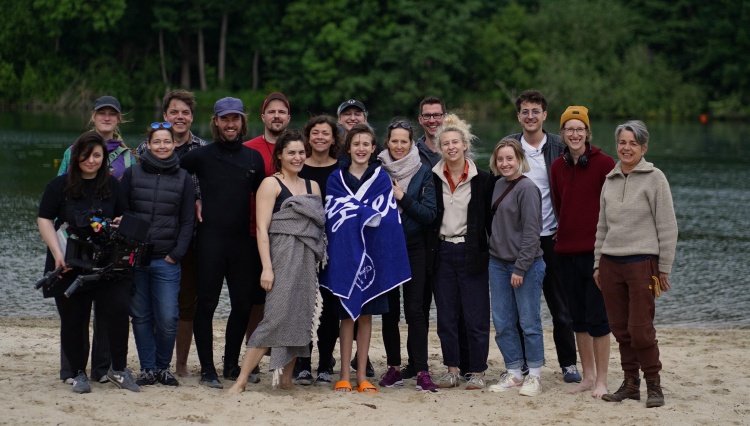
column 476, row 381
column 532, row 386
column 145, row 378
column 323, row 379
column 449, row 380
column 123, row 379
column 81, row 383
column 254, row 376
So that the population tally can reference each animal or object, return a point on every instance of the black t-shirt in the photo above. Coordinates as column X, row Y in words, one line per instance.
column 319, row 175
column 54, row 207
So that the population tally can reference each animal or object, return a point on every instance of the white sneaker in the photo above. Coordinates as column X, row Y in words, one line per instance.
column 507, row 381
column 532, row 386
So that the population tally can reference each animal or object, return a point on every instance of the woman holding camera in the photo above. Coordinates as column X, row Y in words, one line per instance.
column 162, row 193
column 86, row 192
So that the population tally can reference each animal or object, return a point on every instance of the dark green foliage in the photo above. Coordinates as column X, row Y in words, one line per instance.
column 646, row 58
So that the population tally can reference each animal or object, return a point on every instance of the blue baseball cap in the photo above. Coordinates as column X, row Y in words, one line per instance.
column 226, row 106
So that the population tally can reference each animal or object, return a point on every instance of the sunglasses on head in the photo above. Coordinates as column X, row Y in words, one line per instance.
column 402, row 124
column 165, row 125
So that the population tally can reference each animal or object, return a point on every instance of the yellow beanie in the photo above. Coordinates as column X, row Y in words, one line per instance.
column 577, row 112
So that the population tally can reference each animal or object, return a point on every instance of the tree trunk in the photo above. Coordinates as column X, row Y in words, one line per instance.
column 184, row 42
column 201, row 61
column 256, row 60
column 223, row 46
column 163, row 60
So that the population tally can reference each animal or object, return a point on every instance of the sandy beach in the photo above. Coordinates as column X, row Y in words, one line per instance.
column 706, row 380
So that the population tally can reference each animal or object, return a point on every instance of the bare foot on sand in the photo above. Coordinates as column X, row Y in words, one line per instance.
column 181, row 369
column 285, row 386
column 599, row 390
column 585, row 385
column 236, row 389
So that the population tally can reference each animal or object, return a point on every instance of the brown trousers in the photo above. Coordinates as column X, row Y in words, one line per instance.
column 630, row 308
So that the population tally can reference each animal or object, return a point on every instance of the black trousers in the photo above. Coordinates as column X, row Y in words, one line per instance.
column 413, row 291
column 555, row 295
column 100, row 357
column 113, row 301
column 234, row 258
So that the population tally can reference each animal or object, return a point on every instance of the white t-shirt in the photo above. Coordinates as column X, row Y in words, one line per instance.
column 538, row 175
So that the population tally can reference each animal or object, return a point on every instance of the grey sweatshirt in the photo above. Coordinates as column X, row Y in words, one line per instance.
column 516, row 224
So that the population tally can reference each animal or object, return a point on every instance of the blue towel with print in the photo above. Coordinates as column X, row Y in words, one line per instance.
column 366, row 247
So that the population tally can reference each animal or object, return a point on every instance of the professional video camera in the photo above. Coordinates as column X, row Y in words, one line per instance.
column 105, row 253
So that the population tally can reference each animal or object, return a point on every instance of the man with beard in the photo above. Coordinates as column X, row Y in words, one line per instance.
column 229, row 175
column 275, row 116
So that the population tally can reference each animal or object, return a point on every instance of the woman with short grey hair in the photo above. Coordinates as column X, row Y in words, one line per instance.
column 636, row 240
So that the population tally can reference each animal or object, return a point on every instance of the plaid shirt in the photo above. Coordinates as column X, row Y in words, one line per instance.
column 193, row 142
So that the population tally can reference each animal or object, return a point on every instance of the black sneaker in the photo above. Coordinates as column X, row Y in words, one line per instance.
column 408, row 372
column 81, row 383
column 304, row 378
column 145, row 378
column 166, row 378
column 331, row 365
column 369, row 370
column 231, row 372
column 211, row 380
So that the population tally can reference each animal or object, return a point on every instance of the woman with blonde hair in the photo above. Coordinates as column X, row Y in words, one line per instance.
column 516, row 268
column 105, row 119
column 458, row 252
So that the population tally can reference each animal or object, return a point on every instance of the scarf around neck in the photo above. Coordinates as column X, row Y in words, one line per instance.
column 151, row 164
column 402, row 170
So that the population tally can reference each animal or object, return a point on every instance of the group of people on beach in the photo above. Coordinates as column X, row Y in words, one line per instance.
column 316, row 231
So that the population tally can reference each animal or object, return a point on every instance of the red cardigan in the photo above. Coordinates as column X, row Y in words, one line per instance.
column 575, row 194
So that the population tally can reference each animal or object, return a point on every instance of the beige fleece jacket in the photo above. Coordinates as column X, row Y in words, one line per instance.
column 636, row 216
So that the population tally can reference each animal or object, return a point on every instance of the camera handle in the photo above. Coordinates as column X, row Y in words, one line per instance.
column 48, row 279
column 83, row 278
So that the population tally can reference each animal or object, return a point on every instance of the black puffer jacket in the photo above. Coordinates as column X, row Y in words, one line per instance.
column 165, row 198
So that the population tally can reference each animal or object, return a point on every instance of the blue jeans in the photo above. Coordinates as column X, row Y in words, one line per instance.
column 154, row 311
column 512, row 306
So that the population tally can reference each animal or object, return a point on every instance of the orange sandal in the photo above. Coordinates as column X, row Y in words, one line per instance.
column 367, row 387
column 343, row 386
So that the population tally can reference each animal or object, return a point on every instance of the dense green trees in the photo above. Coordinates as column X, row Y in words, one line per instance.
column 656, row 58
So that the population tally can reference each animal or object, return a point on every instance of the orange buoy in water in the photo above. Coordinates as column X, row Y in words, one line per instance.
column 704, row 118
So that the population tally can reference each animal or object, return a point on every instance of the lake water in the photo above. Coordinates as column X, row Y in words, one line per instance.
column 708, row 168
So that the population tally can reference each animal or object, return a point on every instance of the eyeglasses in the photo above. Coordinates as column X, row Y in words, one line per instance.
column 533, row 112
column 402, row 124
column 579, row 130
column 437, row 116
column 165, row 125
